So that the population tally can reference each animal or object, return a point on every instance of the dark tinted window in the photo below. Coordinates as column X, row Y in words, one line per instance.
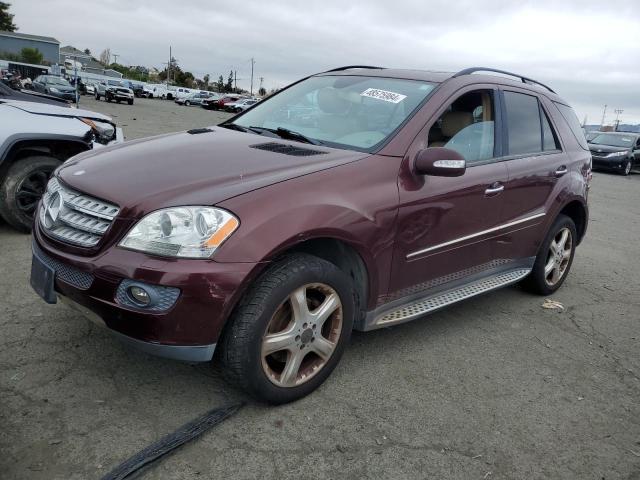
column 549, row 140
column 571, row 118
column 523, row 123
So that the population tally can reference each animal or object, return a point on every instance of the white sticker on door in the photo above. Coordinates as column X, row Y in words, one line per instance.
column 383, row 95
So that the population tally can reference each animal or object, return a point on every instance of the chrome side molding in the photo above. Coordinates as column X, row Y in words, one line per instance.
column 474, row 235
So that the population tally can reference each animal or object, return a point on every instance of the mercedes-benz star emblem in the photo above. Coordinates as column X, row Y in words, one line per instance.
column 52, row 210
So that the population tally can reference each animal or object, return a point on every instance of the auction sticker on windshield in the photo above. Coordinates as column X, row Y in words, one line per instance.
column 383, row 95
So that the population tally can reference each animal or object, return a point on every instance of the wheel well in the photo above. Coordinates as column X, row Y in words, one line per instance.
column 60, row 149
column 576, row 211
column 343, row 256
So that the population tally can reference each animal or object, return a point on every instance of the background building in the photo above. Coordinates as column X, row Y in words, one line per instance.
column 14, row 42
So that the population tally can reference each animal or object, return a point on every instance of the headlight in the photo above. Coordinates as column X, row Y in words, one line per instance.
column 53, row 89
column 617, row 154
column 191, row 232
column 104, row 131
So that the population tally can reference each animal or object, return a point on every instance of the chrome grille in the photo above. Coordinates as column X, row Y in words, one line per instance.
column 74, row 217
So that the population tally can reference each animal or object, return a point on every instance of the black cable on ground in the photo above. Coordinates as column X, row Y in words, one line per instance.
column 170, row 442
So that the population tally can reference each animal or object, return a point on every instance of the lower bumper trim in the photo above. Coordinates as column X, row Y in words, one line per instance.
column 185, row 353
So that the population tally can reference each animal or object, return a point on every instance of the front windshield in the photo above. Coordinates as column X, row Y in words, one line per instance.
column 58, row 81
column 613, row 140
column 342, row 111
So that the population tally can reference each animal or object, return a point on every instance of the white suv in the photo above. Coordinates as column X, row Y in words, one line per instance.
column 35, row 138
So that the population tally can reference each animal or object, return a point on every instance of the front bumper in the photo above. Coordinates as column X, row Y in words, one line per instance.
column 604, row 163
column 119, row 139
column 187, row 330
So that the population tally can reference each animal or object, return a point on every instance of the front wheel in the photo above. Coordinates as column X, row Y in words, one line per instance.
column 130, row 102
column 554, row 259
column 23, row 187
column 627, row 168
column 290, row 329
column 97, row 96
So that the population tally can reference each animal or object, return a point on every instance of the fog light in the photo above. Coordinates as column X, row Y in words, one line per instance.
column 139, row 295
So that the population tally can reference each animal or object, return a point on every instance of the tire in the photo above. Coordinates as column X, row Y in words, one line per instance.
column 241, row 346
column 538, row 281
column 97, row 96
column 187, row 103
column 130, row 102
column 22, row 188
column 627, row 168
column 107, row 98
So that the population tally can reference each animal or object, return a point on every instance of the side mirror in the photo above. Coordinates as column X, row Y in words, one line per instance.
column 440, row 162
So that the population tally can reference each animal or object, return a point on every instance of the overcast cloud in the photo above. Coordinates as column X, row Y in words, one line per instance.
column 588, row 51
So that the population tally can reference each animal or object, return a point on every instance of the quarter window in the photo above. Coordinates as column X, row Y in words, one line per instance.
column 571, row 118
column 549, row 140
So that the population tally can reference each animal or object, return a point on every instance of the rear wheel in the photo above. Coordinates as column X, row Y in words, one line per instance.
column 290, row 330
column 554, row 259
column 23, row 187
column 187, row 103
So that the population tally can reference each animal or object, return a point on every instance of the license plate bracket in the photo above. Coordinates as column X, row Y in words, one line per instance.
column 42, row 279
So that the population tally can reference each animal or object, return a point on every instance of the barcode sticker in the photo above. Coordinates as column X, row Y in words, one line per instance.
column 383, row 95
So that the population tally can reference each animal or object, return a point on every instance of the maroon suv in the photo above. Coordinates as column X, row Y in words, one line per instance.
column 356, row 198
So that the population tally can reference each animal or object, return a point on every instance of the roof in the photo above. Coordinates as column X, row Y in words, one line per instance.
column 68, row 49
column 493, row 76
column 26, row 36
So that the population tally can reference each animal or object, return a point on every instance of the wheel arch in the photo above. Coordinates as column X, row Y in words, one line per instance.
column 577, row 211
column 57, row 146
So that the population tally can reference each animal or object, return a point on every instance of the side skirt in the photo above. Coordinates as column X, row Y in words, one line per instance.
column 407, row 309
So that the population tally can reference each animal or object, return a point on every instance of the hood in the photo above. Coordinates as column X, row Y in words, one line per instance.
column 58, row 111
column 191, row 169
column 596, row 148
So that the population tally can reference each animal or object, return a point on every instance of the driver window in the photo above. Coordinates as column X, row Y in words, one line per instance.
column 467, row 126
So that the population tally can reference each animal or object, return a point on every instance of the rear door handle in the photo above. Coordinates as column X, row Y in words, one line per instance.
column 494, row 189
column 561, row 171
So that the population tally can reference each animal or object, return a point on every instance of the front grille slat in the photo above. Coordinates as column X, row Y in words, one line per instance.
column 81, row 220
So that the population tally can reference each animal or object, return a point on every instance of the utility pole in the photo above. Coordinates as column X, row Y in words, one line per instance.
column 252, row 64
column 261, row 80
column 604, row 113
column 617, row 122
column 235, row 80
column 115, row 57
column 169, row 67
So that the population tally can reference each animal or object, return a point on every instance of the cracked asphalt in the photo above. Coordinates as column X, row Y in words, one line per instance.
column 493, row 388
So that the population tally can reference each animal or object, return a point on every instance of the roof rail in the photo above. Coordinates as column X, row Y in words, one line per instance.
column 468, row 71
column 349, row 67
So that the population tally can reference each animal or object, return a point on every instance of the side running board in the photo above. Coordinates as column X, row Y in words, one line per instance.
column 422, row 306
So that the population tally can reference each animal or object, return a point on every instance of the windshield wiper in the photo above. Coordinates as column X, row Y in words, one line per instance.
column 234, row 126
column 286, row 133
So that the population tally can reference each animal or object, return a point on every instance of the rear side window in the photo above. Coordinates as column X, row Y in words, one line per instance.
column 523, row 123
column 573, row 122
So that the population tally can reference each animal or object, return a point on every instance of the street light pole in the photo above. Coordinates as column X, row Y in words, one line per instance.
column 252, row 64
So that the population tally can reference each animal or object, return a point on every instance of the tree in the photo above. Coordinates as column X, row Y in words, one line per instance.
column 6, row 18
column 105, row 57
column 262, row 92
column 229, row 85
column 31, row 55
column 205, row 80
column 87, row 51
column 220, row 84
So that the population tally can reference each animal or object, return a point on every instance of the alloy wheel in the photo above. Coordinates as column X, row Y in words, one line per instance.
column 627, row 168
column 30, row 190
column 558, row 256
column 302, row 335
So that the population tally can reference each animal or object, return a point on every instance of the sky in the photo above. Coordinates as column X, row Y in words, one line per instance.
column 588, row 51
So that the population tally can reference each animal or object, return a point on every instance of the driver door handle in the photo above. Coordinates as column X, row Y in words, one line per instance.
column 561, row 171
column 494, row 189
